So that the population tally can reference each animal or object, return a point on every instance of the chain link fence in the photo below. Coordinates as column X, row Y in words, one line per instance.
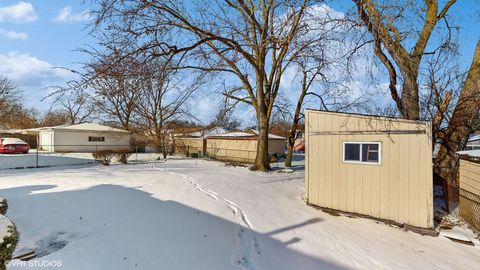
column 470, row 208
column 66, row 155
column 49, row 156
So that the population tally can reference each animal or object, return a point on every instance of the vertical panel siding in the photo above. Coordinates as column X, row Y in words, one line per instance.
column 328, row 190
column 394, row 172
column 321, row 163
column 383, row 179
column 343, row 172
column 413, row 178
column 469, row 179
column 399, row 189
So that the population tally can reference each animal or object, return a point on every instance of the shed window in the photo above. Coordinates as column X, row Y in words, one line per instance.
column 96, row 139
column 362, row 152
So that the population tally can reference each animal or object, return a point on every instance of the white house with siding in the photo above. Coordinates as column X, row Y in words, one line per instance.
column 85, row 137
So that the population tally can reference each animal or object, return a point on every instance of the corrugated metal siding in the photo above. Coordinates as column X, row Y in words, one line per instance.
column 400, row 188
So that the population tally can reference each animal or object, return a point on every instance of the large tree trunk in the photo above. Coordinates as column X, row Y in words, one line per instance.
column 410, row 99
column 262, row 159
column 164, row 146
column 293, row 131
column 291, row 144
column 461, row 123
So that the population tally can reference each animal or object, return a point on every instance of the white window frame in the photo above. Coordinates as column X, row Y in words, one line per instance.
column 361, row 153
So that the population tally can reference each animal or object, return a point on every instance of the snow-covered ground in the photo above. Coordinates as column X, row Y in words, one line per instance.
column 196, row 214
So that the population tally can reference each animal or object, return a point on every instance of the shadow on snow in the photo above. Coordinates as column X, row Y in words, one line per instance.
column 115, row 227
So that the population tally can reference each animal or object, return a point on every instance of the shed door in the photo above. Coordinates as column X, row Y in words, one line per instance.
column 46, row 141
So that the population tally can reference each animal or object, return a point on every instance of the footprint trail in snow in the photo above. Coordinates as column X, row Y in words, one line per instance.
column 248, row 247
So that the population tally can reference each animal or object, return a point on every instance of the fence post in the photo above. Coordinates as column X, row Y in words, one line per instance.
column 36, row 159
column 96, row 150
column 136, row 153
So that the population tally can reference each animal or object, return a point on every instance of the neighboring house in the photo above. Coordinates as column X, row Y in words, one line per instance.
column 197, row 132
column 370, row 165
column 242, row 146
column 194, row 140
column 299, row 145
column 213, row 131
column 473, row 142
column 86, row 137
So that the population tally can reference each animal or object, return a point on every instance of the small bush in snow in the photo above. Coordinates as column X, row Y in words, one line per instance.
column 104, row 156
column 8, row 244
column 3, row 206
column 122, row 156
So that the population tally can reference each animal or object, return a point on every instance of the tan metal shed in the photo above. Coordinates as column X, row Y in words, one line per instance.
column 370, row 165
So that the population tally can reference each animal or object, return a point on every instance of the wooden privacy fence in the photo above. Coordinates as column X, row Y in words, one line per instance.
column 469, row 184
column 189, row 146
column 236, row 150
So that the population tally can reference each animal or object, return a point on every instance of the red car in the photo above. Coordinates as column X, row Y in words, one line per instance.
column 13, row 145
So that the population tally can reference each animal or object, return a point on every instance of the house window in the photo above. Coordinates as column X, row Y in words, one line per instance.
column 362, row 152
column 96, row 139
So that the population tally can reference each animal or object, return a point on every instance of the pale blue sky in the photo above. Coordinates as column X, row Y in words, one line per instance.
column 38, row 35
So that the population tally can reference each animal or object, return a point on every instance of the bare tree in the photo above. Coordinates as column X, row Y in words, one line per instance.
column 55, row 118
column 225, row 117
column 389, row 23
column 165, row 91
column 462, row 122
column 392, row 31
column 116, row 86
column 74, row 100
column 9, row 97
column 13, row 113
column 440, row 89
column 251, row 41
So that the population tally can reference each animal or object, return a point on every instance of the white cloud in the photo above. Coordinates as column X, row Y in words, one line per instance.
column 66, row 16
column 28, row 70
column 32, row 75
column 21, row 12
column 12, row 35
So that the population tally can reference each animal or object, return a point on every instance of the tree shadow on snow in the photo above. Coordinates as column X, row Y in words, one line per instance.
column 115, row 227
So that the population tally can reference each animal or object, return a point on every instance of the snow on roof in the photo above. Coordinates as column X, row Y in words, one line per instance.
column 83, row 127
column 472, row 153
column 474, row 137
column 241, row 134
column 11, row 141
column 92, row 126
column 200, row 132
column 235, row 134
